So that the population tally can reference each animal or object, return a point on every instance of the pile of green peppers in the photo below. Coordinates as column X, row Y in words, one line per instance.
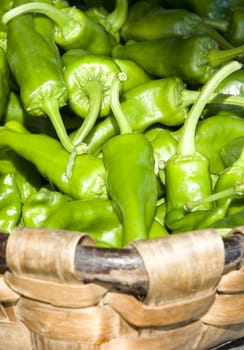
column 122, row 119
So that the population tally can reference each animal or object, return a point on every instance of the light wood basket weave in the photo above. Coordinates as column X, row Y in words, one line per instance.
column 190, row 303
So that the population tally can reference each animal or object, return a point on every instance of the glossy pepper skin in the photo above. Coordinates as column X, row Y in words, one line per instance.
column 131, row 181
column 10, row 203
column 88, row 176
column 82, row 68
column 88, row 78
column 158, row 22
column 40, row 205
column 73, row 29
column 158, row 101
column 187, row 176
column 93, row 216
column 200, row 57
column 44, row 92
column 27, row 178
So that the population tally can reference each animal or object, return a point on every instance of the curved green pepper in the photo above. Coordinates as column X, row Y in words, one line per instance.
column 159, row 22
column 131, row 180
column 88, row 176
column 194, row 59
column 73, row 29
column 44, row 92
column 187, row 176
column 159, row 101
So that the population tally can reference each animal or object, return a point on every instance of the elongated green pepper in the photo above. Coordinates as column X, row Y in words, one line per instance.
column 187, row 176
column 73, row 29
column 50, row 158
column 131, row 180
column 194, row 60
column 159, row 101
column 44, row 92
column 159, row 22
column 208, row 8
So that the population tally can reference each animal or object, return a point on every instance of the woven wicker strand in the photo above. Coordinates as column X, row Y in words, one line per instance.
column 44, row 253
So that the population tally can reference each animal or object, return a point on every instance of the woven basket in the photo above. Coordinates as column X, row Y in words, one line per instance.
column 190, row 303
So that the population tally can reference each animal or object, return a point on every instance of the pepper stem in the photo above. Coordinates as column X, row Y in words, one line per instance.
column 186, row 145
column 218, row 57
column 222, row 42
column 94, row 92
column 51, row 108
column 116, row 19
column 237, row 189
column 217, row 23
column 56, row 15
column 188, row 97
column 115, row 103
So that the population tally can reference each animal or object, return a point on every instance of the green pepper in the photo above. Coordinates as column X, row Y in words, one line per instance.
column 214, row 133
column 93, row 216
column 40, row 205
column 15, row 111
column 131, row 180
column 158, row 228
column 232, row 176
column 136, row 75
column 187, row 176
column 159, row 101
column 88, row 78
column 208, row 8
column 27, row 178
column 235, row 29
column 159, row 22
column 194, row 59
column 3, row 33
column 50, row 159
column 231, row 151
column 164, row 147
column 112, row 21
column 73, row 29
column 6, row 5
column 4, row 82
column 10, row 203
column 44, row 92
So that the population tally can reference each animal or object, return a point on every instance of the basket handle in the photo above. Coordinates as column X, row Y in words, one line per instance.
column 126, row 271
